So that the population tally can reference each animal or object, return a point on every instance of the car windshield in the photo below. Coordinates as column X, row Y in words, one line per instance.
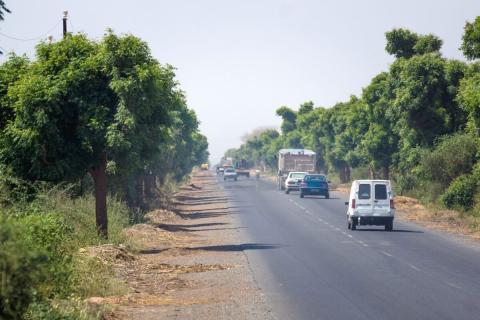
column 297, row 175
column 317, row 177
column 229, row 170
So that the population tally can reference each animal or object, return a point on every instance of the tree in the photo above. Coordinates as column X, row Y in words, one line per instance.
column 471, row 39
column 289, row 117
column 401, row 42
column 83, row 106
column 10, row 72
column 427, row 44
column 380, row 143
column 3, row 9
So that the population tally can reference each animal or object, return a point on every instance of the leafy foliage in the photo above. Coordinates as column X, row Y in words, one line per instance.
column 471, row 39
column 461, row 193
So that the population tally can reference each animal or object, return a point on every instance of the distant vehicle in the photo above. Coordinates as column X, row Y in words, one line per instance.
column 293, row 181
column 241, row 167
column 370, row 203
column 220, row 170
column 230, row 174
column 314, row 184
column 204, row 166
column 294, row 160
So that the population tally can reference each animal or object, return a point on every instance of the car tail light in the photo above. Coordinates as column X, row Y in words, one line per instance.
column 392, row 204
column 353, row 203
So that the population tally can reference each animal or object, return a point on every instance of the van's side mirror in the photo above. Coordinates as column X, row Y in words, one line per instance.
column 346, row 203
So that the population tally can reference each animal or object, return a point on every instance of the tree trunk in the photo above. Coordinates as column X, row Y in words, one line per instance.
column 386, row 173
column 348, row 174
column 99, row 176
column 372, row 172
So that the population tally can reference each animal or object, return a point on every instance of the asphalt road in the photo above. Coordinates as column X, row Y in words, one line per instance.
column 310, row 266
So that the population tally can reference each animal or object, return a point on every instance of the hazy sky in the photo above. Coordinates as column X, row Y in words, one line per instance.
column 238, row 61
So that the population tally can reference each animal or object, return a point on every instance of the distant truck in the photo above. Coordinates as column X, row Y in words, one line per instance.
column 294, row 160
column 226, row 162
column 241, row 167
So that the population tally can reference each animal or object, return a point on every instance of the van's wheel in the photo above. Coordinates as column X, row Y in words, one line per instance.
column 349, row 224
column 354, row 225
column 389, row 226
column 302, row 195
column 287, row 191
column 327, row 196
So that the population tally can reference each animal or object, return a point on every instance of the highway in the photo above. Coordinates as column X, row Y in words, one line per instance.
column 310, row 266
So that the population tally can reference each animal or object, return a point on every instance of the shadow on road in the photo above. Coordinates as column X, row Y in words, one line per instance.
column 238, row 247
column 312, row 197
column 394, row 230
column 202, row 214
column 187, row 228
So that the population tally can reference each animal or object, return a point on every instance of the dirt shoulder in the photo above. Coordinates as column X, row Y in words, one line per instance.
column 191, row 265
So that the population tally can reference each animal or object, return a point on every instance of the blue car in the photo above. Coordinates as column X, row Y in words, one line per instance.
column 314, row 184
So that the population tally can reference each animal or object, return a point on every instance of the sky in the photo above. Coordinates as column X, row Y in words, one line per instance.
column 239, row 61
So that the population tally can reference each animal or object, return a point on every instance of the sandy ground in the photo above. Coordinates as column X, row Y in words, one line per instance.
column 191, row 265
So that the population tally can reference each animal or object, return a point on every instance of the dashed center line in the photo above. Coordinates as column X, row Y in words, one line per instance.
column 387, row 254
column 414, row 267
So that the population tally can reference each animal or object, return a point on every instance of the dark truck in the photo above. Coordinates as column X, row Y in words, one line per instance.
column 242, row 169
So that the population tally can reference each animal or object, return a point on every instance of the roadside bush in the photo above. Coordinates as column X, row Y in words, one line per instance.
column 22, row 270
column 460, row 194
column 41, row 275
column 452, row 157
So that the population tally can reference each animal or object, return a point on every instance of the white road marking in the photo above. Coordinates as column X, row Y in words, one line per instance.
column 349, row 235
column 453, row 285
column 414, row 267
column 387, row 254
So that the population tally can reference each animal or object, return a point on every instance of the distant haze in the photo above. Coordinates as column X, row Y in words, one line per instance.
column 238, row 61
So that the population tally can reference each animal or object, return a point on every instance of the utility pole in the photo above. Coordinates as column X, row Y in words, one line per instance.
column 65, row 15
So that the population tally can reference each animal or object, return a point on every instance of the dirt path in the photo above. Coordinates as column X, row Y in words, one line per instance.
column 192, row 265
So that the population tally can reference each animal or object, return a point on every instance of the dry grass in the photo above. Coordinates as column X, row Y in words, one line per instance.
column 440, row 219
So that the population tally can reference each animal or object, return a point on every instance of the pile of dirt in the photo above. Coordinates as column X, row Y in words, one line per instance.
column 198, row 267
column 161, row 215
column 108, row 253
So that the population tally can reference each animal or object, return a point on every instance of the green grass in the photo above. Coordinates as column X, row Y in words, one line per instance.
column 54, row 226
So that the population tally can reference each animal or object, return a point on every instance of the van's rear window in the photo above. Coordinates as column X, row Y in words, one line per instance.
column 380, row 192
column 364, row 191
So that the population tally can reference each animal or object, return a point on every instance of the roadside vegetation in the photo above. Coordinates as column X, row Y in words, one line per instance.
column 91, row 132
column 416, row 124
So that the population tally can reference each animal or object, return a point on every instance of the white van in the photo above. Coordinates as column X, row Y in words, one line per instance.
column 370, row 203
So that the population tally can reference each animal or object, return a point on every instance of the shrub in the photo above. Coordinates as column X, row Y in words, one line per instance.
column 452, row 157
column 460, row 194
column 22, row 270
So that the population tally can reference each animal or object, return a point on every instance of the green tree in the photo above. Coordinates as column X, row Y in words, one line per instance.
column 85, row 105
column 401, row 43
column 471, row 39
column 289, row 118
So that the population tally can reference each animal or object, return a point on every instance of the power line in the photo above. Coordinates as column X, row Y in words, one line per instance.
column 31, row 39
